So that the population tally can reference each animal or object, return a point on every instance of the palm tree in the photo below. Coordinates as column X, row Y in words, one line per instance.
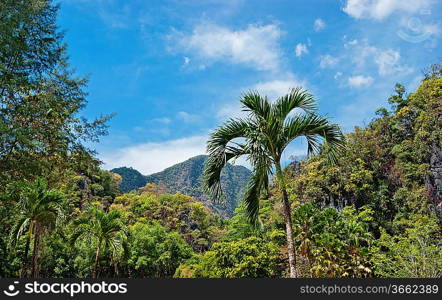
column 262, row 137
column 106, row 228
column 39, row 210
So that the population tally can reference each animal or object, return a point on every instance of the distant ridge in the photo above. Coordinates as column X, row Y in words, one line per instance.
column 185, row 178
column 132, row 179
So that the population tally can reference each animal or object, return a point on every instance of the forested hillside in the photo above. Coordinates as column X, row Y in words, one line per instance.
column 131, row 179
column 186, row 178
column 369, row 205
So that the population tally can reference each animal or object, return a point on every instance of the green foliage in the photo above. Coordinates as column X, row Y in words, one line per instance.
column 92, row 185
column 250, row 257
column 376, row 211
column 154, row 252
column 415, row 252
column 333, row 244
column 39, row 209
column 199, row 227
column 391, row 166
column 40, row 129
column 106, row 230
column 239, row 226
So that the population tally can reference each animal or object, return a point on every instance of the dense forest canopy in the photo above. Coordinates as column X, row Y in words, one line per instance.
column 376, row 211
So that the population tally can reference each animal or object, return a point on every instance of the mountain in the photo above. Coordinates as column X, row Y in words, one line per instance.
column 185, row 178
column 132, row 179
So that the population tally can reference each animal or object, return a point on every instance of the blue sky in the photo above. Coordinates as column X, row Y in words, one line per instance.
column 174, row 70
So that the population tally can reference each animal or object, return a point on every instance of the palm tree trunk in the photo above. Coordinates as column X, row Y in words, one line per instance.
column 25, row 256
column 115, row 266
column 288, row 222
column 34, row 269
column 97, row 257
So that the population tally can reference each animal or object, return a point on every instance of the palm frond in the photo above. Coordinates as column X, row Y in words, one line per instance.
column 297, row 98
column 220, row 152
column 315, row 128
column 38, row 204
column 76, row 235
column 254, row 103
column 257, row 184
column 19, row 227
column 267, row 131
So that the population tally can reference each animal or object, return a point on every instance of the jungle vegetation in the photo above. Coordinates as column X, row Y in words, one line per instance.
column 367, row 203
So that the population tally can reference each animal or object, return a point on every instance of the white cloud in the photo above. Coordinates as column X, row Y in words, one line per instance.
column 187, row 117
column 387, row 61
column 273, row 89
column 327, row 61
column 380, row 9
column 350, row 43
column 276, row 88
column 361, row 53
column 300, row 49
column 318, row 25
column 186, row 61
column 337, row 75
column 163, row 120
column 230, row 110
column 149, row 158
column 256, row 46
column 360, row 81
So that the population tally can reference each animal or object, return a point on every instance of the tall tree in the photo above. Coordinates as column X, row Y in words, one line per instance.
column 262, row 136
column 106, row 228
column 40, row 98
column 39, row 209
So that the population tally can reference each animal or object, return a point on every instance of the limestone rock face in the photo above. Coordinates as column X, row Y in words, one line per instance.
column 435, row 178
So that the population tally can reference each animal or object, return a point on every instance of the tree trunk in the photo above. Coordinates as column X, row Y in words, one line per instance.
column 25, row 257
column 115, row 267
column 289, row 234
column 97, row 257
column 288, row 222
column 34, row 269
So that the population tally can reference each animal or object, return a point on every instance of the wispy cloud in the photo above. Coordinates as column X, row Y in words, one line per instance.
column 163, row 120
column 381, row 9
column 327, row 61
column 188, row 117
column 186, row 61
column 278, row 87
column 360, row 81
column 301, row 49
column 387, row 61
column 256, row 46
column 319, row 25
column 350, row 43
